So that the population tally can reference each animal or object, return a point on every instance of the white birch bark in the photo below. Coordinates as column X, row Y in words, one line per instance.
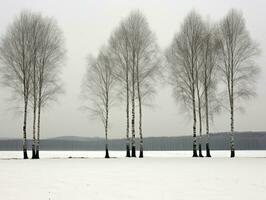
column 237, row 67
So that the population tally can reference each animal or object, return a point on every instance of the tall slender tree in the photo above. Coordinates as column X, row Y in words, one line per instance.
column 51, row 53
column 208, row 79
column 135, row 52
column 147, row 65
column 119, row 48
column 183, row 59
column 199, row 94
column 16, row 58
column 144, row 66
column 238, row 69
column 130, row 26
column 35, row 43
column 99, row 89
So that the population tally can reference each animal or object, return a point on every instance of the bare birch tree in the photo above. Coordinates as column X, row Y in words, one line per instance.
column 99, row 89
column 238, row 69
column 34, row 45
column 119, row 48
column 147, row 63
column 135, row 48
column 208, row 79
column 183, row 58
column 129, row 23
column 30, row 53
column 51, row 53
column 16, row 60
column 199, row 100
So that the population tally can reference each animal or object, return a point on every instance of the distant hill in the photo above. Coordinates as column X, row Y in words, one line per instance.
column 75, row 138
column 218, row 141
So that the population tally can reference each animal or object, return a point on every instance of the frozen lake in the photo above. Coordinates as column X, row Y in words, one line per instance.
column 160, row 175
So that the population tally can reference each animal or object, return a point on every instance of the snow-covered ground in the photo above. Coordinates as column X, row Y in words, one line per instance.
column 160, row 175
column 121, row 154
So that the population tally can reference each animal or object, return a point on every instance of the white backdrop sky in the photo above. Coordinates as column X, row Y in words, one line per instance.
column 87, row 26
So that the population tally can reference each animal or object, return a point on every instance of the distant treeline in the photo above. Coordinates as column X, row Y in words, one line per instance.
column 218, row 141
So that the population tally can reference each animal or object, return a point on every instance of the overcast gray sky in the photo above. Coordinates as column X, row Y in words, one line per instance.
column 87, row 25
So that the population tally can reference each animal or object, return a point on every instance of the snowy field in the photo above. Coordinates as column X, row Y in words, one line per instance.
column 160, row 175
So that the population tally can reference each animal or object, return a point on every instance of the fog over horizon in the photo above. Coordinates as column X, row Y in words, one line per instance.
column 86, row 27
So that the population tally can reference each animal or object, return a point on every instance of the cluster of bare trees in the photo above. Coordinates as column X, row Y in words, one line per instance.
column 132, row 62
column 30, row 53
column 202, row 58
column 203, row 55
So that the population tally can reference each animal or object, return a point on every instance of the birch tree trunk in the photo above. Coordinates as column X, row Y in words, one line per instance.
column 133, row 142
column 34, row 111
column 140, row 112
column 25, row 155
column 199, row 113
column 194, row 125
column 193, row 105
column 34, row 131
column 38, row 134
column 200, row 121
column 26, row 93
column 208, row 154
column 232, row 145
column 37, row 156
column 106, row 127
column 26, row 96
column 127, row 111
